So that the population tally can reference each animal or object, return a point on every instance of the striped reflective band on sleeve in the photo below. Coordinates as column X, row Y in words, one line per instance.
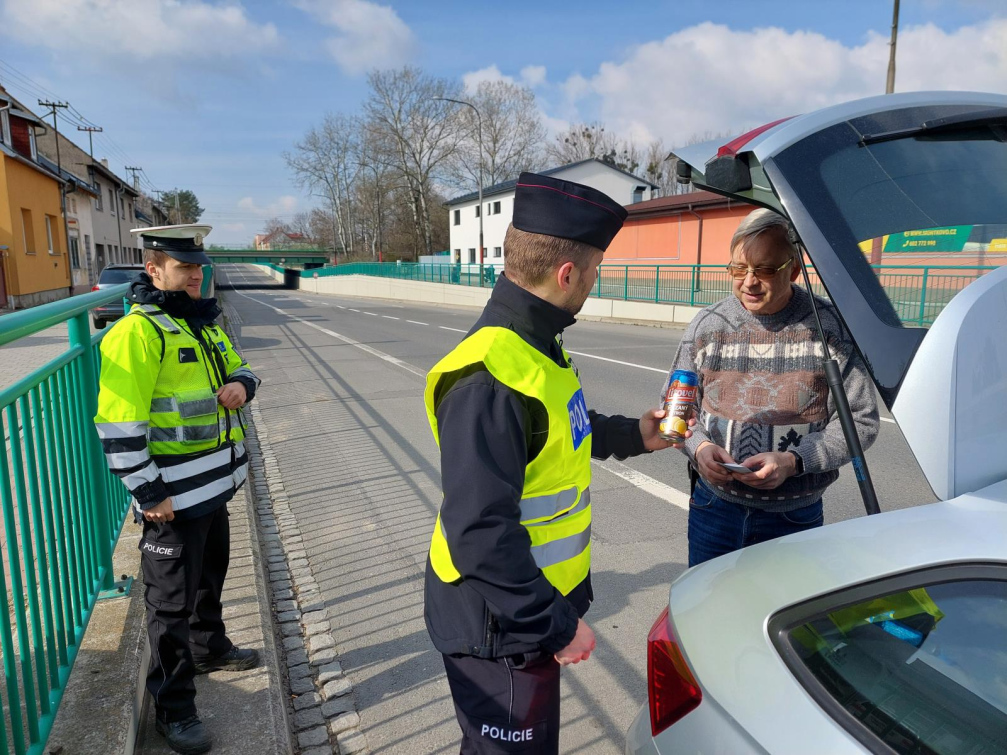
column 245, row 373
column 185, row 409
column 558, row 551
column 543, row 506
column 124, row 443
column 214, row 460
column 142, row 476
column 183, row 434
column 158, row 316
column 113, row 430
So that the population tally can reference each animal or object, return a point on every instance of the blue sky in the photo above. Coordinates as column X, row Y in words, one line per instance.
column 207, row 94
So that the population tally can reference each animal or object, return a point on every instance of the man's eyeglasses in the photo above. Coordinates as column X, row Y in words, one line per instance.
column 740, row 272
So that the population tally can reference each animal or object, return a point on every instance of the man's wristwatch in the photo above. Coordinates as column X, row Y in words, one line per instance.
column 800, row 462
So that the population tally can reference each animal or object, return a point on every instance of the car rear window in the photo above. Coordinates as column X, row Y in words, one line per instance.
column 923, row 670
column 119, row 274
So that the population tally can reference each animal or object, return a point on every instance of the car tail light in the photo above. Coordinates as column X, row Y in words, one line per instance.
column 671, row 687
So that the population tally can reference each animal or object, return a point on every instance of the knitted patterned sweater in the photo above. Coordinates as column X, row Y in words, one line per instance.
column 763, row 388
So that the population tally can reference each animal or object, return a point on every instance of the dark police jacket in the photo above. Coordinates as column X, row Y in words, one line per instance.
column 489, row 434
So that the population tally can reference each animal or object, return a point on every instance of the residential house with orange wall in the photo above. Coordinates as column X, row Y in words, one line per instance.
column 34, row 264
column 683, row 229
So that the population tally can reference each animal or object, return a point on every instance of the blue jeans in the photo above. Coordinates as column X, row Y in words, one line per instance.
column 717, row 526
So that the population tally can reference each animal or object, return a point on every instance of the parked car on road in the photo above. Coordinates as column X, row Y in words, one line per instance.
column 113, row 275
column 885, row 634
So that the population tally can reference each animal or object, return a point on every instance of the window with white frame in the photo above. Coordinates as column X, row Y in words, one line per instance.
column 458, row 217
column 472, row 256
column 111, row 202
column 496, row 208
column 477, row 210
column 497, row 251
column 48, row 233
column 75, row 252
column 97, row 198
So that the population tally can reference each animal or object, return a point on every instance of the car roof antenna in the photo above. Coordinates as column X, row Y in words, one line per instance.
column 839, row 398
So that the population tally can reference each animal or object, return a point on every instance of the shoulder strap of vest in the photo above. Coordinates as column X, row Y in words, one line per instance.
column 158, row 316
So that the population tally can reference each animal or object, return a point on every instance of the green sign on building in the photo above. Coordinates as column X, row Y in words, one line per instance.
column 950, row 239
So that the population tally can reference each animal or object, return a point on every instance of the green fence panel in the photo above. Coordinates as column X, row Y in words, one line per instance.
column 917, row 292
column 62, row 513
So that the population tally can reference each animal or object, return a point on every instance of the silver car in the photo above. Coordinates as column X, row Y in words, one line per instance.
column 886, row 633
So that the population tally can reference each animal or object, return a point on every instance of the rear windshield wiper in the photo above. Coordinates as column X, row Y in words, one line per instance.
column 987, row 117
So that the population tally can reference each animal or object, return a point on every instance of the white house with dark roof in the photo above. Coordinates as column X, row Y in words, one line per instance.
column 498, row 206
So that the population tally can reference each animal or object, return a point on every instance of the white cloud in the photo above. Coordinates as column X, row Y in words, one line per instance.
column 369, row 35
column 713, row 78
column 533, row 76
column 140, row 31
column 473, row 79
column 284, row 206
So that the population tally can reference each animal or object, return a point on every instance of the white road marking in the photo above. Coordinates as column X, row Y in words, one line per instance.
column 355, row 310
column 646, row 483
column 888, row 419
column 413, row 322
column 389, row 317
column 340, row 306
column 616, row 361
column 444, row 327
column 372, row 314
column 362, row 346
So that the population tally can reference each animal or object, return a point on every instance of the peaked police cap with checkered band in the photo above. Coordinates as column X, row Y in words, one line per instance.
column 569, row 210
column 183, row 242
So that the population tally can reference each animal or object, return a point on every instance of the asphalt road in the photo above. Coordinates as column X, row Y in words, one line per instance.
column 342, row 395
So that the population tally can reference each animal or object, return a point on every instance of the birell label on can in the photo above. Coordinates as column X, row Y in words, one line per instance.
column 680, row 402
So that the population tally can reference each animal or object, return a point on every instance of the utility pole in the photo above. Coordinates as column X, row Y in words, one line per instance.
column 136, row 177
column 59, row 178
column 91, row 131
column 890, row 86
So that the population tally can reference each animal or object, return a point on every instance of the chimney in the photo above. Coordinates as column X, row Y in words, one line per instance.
column 104, row 161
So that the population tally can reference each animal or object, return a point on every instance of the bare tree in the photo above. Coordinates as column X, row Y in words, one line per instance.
column 326, row 162
column 512, row 135
column 414, row 133
column 581, row 141
column 659, row 167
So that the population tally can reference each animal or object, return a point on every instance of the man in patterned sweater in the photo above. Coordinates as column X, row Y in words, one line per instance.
column 765, row 402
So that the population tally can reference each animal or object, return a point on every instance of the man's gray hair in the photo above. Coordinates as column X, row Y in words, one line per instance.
column 758, row 222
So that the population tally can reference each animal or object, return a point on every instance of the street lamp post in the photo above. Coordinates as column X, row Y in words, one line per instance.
column 479, row 131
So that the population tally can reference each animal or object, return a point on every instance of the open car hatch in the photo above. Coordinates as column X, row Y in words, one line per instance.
column 922, row 164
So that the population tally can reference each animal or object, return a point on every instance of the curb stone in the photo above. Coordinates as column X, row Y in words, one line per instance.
column 314, row 673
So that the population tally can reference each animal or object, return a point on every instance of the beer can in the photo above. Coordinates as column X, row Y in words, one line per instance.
column 680, row 401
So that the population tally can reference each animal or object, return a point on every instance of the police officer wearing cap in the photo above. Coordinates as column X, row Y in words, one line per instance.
column 508, row 575
column 170, row 421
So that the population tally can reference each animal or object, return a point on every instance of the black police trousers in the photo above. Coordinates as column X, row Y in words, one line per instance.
column 507, row 704
column 184, row 565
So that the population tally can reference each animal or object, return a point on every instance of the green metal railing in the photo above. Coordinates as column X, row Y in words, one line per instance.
column 918, row 292
column 62, row 514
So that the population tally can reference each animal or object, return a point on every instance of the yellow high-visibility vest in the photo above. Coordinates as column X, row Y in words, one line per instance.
column 168, row 364
column 556, row 499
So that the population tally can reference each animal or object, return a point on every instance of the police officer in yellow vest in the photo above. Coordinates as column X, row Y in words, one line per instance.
column 508, row 576
column 170, row 421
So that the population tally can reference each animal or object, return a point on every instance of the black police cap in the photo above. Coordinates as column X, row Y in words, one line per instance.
column 569, row 210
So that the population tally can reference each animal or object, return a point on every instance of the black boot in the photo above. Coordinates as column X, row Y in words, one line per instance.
column 234, row 659
column 187, row 736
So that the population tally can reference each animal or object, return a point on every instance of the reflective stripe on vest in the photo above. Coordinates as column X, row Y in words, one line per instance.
column 184, row 409
column 556, row 500
column 184, row 434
